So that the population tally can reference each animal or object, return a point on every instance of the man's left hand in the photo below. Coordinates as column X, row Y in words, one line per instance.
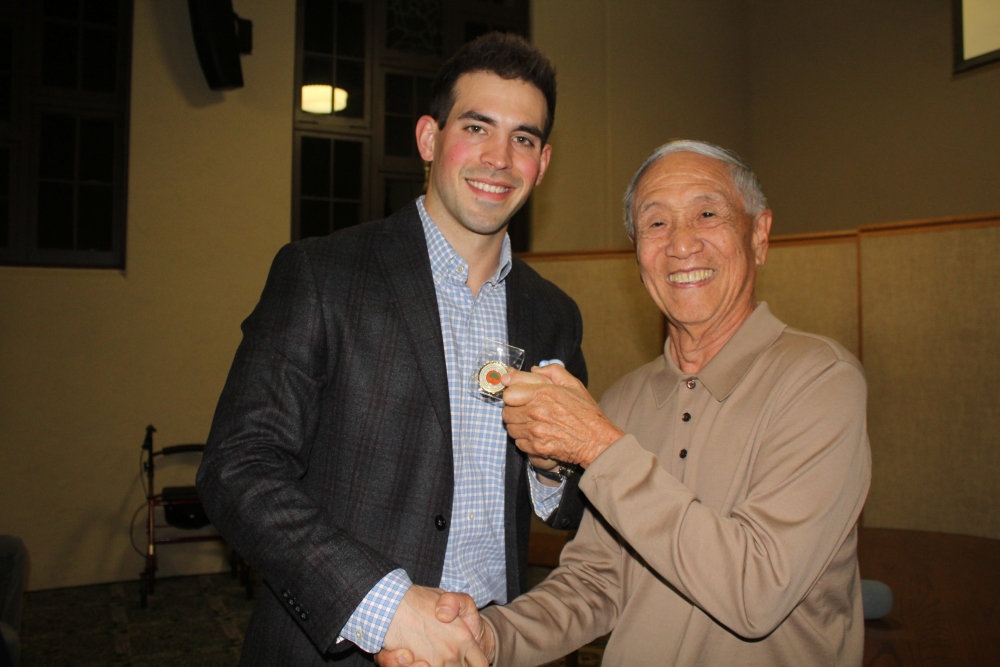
column 555, row 419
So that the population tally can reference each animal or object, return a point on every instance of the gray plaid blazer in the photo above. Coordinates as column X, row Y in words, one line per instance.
column 329, row 461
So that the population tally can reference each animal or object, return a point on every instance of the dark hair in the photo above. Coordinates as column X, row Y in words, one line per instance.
column 506, row 55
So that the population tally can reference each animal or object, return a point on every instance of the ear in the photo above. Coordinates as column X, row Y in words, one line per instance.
column 543, row 162
column 427, row 130
column 760, row 234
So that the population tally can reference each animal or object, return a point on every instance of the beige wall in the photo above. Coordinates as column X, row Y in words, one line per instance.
column 88, row 358
column 856, row 118
column 633, row 74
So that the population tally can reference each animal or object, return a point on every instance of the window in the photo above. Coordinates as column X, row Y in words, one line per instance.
column 64, row 73
column 364, row 72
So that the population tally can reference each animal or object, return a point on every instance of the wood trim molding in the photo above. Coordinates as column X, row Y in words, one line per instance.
column 563, row 255
column 930, row 225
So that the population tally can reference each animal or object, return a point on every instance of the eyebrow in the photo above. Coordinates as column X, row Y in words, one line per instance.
column 486, row 120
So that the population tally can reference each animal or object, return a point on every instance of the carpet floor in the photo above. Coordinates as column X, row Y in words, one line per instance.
column 190, row 622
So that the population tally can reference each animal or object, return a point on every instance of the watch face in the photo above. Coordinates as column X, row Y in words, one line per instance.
column 489, row 377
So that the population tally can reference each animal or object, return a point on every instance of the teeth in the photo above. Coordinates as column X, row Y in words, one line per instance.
column 691, row 276
column 486, row 187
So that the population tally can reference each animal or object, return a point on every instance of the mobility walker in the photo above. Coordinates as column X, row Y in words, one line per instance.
column 181, row 509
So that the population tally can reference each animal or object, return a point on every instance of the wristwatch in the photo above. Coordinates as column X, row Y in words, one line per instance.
column 557, row 474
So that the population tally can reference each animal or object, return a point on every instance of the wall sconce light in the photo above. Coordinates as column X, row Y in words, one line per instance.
column 320, row 98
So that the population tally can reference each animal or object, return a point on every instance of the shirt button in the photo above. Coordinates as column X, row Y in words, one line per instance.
column 691, row 384
column 359, row 634
column 460, row 269
column 684, row 453
column 686, row 417
column 440, row 522
column 472, row 516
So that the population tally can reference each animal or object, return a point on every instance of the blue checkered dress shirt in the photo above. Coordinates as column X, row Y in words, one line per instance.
column 474, row 562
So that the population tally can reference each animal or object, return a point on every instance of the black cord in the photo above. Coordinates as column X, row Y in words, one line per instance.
column 131, row 530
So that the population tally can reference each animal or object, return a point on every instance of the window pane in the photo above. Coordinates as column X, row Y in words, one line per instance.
column 58, row 146
column 423, row 96
column 317, row 71
column 398, row 94
column 95, row 219
column 347, row 169
column 400, row 136
column 318, row 36
column 97, row 150
column 63, row 9
column 414, row 25
column 104, row 12
column 315, row 167
column 100, row 50
column 351, row 77
column 345, row 214
column 399, row 192
column 314, row 218
column 4, row 197
column 55, row 216
column 350, row 29
column 59, row 55
column 6, row 47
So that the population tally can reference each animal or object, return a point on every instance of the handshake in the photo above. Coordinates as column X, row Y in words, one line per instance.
column 434, row 628
column 551, row 417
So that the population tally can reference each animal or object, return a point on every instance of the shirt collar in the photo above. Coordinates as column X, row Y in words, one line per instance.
column 446, row 264
column 730, row 365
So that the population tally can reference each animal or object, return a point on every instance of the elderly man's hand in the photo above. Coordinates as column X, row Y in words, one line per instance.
column 550, row 415
column 450, row 606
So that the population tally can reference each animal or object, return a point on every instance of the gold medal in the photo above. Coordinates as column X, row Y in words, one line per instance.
column 489, row 377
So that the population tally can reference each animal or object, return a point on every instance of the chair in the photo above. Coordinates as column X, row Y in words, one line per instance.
column 182, row 509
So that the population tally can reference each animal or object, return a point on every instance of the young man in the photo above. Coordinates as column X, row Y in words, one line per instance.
column 350, row 460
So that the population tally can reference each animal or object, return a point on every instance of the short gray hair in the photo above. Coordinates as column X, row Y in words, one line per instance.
column 744, row 180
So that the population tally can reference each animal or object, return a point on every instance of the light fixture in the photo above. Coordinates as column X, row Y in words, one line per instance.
column 320, row 98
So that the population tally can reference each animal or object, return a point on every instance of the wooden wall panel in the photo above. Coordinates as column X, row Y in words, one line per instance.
column 930, row 301
column 814, row 287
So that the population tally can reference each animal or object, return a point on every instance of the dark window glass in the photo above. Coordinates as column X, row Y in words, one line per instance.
column 59, row 55
column 345, row 214
column 62, row 9
column 350, row 29
column 6, row 47
column 423, row 95
column 100, row 50
column 55, row 216
column 5, row 96
column 351, row 77
column 96, row 215
column 400, row 136
column 315, row 167
column 97, row 150
column 399, row 192
column 398, row 94
column 104, row 12
column 317, row 71
column 347, row 169
column 318, row 28
column 414, row 25
column 314, row 218
column 4, row 197
column 58, row 146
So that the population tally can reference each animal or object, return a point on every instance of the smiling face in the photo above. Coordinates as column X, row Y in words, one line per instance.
column 487, row 158
column 698, row 250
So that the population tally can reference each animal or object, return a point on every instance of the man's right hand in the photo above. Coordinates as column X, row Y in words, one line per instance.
column 419, row 627
column 450, row 608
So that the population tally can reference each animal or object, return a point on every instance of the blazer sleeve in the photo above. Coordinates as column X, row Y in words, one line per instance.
column 258, row 450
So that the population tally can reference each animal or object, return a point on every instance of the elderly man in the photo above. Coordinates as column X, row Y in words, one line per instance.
column 725, row 477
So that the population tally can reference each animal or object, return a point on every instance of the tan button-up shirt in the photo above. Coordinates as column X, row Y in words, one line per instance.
column 724, row 530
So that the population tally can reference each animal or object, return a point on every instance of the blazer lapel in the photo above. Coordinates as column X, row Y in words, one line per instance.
column 402, row 255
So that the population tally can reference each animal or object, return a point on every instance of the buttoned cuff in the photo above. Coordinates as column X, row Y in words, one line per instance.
column 544, row 498
column 370, row 621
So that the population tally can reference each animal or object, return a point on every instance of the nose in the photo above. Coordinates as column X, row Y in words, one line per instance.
column 684, row 241
column 496, row 154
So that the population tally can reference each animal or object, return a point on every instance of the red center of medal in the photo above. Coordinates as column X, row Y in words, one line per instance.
column 493, row 377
